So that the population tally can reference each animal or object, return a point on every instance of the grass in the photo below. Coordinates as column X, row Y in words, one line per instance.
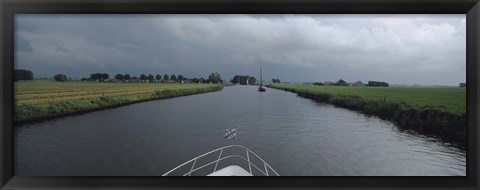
column 439, row 112
column 448, row 99
column 41, row 100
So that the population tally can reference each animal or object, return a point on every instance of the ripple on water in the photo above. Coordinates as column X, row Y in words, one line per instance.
column 296, row 136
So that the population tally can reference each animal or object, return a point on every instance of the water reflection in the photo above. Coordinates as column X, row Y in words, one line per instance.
column 295, row 136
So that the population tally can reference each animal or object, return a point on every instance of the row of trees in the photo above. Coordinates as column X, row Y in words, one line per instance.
column 151, row 78
column 377, row 83
column 243, row 80
column 26, row 75
column 342, row 82
column 212, row 78
column 22, row 75
column 99, row 76
column 276, row 81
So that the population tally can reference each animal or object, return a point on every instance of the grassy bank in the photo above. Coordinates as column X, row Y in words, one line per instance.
column 41, row 100
column 439, row 112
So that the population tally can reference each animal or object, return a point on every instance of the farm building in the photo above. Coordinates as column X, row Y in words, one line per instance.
column 328, row 83
column 358, row 83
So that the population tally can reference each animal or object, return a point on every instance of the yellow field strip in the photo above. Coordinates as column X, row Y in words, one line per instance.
column 78, row 93
column 92, row 96
column 26, row 92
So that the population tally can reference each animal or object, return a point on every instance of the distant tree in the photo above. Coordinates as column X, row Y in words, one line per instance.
column 166, row 77
column 119, row 76
column 60, row 78
column 180, row 77
column 126, row 77
column 377, row 83
column 243, row 80
column 95, row 76
column 214, row 78
column 173, row 78
column 238, row 79
column 275, row 80
column 202, row 80
column 252, row 80
column 99, row 76
column 462, row 85
column 84, row 79
column 105, row 76
column 158, row 77
column 22, row 74
column 134, row 77
column 151, row 78
column 318, row 83
column 143, row 77
column 235, row 79
column 195, row 80
column 341, row 82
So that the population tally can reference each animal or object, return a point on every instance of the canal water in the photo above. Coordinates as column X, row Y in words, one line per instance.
column 296, row 136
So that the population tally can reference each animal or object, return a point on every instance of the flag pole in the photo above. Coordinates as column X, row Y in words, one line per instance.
column 236, row 136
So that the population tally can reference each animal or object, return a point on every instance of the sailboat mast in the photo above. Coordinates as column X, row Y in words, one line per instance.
column 261, row 79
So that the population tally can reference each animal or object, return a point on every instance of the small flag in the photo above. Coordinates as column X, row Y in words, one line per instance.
column 230, row 134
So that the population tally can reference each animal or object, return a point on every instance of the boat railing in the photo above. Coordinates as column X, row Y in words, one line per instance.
column 264, row 169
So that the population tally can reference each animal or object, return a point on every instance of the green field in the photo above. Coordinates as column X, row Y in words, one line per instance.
column 439, row 112
column 40, row 100
column 449, row 99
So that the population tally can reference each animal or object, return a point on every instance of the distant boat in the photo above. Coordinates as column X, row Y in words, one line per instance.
column 261, row 89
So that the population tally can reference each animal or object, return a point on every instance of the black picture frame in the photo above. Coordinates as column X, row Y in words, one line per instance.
column 9, row 8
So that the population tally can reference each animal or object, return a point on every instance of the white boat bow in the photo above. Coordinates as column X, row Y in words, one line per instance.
column 231, row 170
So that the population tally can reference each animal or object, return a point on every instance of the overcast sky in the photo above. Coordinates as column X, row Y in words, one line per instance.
column 399, row 49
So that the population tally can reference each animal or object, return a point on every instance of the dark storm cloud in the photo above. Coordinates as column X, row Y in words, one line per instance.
column 422, row 49
column 22, row 44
